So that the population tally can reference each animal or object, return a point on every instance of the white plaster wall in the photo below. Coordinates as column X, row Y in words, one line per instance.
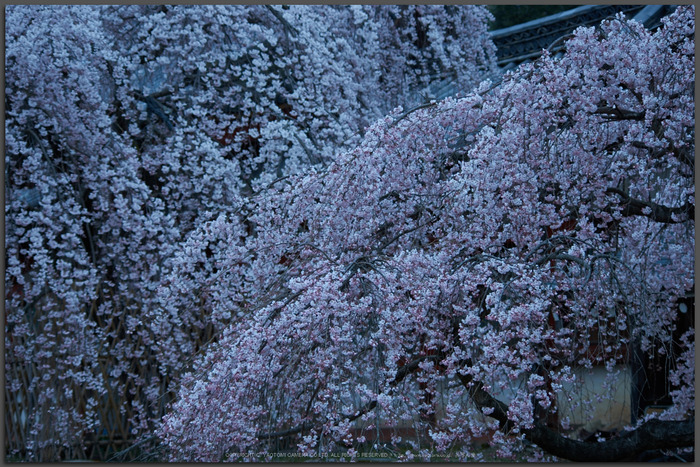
column 605, row 400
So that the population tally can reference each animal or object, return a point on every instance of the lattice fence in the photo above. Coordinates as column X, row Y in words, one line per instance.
column 113, row 438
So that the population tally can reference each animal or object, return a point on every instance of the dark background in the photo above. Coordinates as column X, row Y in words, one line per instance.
column 509, row 15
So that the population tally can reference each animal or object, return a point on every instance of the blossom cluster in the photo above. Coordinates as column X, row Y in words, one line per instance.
column 484, row 247
column 134, row 136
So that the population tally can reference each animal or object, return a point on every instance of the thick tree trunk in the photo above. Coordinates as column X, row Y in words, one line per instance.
column 654, row 434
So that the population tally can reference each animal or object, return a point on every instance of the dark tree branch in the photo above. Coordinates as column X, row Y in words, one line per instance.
column 280, row 434
column 410, row 367
column 366, row 408
column 383, row 246
column 484, row 400
column 294, row 31
column 659, row 213
column 432, row 103
column 654, row 434
column 615, row 113
column 155, row 107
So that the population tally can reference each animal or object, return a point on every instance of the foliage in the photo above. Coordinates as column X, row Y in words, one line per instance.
column 133, row 133
column 485, row 250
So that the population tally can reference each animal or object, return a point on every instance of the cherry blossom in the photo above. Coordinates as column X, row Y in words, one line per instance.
column 486, row 250
column 135, row 139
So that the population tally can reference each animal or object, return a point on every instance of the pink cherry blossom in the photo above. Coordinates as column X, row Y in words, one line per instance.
column 265, row 224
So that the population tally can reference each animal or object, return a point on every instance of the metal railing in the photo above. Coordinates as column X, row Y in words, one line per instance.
column 523, row 42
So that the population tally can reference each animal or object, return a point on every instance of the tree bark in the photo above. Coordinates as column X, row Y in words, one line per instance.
column 654, row 434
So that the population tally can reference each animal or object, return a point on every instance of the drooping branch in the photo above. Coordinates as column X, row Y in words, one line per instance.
column 404, row 371
column 655, row 212
column 654, row 434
